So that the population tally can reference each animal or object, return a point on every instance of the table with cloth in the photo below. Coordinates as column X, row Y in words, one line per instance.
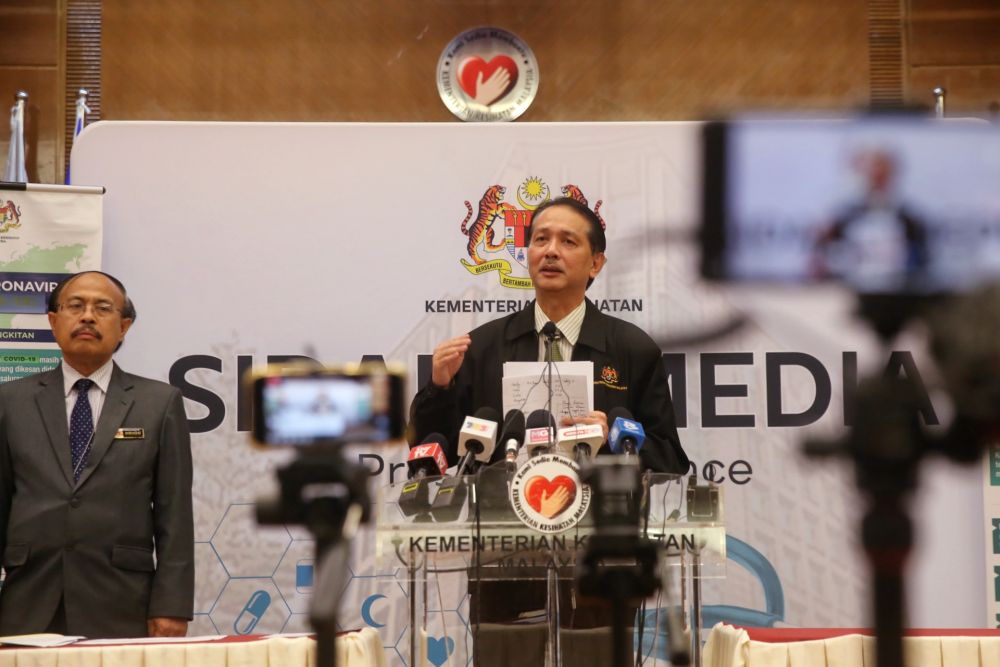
column 354, row 649
column 730, row 646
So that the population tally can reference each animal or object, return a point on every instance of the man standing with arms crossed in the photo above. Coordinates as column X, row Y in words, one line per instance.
column 95, row 480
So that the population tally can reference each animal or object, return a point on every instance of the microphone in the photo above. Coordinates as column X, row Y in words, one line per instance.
column 581, row 441
column 513, row 436
column 625, row 435
column 550, row 332
column 541, row 432
column 425, row 460
column 478, row 437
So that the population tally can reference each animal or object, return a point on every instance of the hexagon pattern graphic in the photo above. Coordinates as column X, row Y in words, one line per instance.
column 246, row 549
column 258, row 580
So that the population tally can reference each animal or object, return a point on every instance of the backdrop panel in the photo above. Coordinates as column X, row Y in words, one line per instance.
column 243, row 241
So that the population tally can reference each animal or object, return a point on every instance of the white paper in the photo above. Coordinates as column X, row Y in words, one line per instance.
column 151, row 640
column 40, row 640
column 525, row 387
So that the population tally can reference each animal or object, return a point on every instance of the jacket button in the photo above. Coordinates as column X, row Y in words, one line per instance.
column 74, row 502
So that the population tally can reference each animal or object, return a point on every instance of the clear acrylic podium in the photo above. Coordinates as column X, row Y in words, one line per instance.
column 479, row 537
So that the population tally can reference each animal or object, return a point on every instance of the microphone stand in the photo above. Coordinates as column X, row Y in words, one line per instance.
column 332, row 516
column 550, row 333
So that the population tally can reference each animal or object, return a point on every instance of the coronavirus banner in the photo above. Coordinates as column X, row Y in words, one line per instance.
column 248, row 243
column 46, row 233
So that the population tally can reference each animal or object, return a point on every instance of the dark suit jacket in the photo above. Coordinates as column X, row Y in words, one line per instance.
column 92, row 542
column 628, row 372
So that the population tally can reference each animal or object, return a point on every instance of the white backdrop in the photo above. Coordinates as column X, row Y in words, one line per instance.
column 336, row 240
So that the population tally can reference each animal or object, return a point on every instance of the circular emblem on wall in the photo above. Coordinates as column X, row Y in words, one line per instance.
column 487, row 74
column 547, row 494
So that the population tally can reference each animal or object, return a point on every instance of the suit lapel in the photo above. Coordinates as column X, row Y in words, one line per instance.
column 116, row 405
column 520, row 334
column 51, row 402
column 593, row 334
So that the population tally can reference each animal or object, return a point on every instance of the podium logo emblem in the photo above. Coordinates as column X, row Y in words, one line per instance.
column 499, row 231
column 547, row 494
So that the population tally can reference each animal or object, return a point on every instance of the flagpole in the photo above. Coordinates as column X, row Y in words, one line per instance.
column 15, row 171
column 81, row 121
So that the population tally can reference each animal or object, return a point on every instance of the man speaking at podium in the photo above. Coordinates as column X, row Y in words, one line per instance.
column 95, row 477
column 565, row 254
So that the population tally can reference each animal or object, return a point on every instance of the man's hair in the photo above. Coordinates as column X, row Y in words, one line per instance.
column 595, row 232
column 128, row 310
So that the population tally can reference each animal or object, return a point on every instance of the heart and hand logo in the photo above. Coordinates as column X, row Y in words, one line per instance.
column 549, row 497
column 487, row 82
column 487, row 74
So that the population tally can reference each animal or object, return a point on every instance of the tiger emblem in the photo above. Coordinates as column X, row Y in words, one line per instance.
column 10, row 217
column 576, row 193
column 480, row 232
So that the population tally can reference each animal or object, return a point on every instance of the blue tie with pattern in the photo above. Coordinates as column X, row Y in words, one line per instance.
column 81, row 427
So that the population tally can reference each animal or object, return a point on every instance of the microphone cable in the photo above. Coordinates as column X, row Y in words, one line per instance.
column 477, row 566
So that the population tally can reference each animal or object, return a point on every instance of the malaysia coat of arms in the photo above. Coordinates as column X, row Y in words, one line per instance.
column 499, row 231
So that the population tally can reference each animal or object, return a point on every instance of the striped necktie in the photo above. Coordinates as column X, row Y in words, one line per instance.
column 556, row 352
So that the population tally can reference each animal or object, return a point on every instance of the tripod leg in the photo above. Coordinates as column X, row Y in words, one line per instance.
column 331, row 577
column 678, row 643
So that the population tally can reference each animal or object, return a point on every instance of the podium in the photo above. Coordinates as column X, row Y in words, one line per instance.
column 476, row 531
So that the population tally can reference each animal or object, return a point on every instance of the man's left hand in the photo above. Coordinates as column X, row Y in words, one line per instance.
column 164, row 626
column 593, row 417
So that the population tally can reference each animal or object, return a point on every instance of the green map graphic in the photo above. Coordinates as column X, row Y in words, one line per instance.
column 58, row 259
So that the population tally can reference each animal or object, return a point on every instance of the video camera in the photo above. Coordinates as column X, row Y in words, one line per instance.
column 316, row 411
column 887, row 204
column 903, row 210
column 305, row 406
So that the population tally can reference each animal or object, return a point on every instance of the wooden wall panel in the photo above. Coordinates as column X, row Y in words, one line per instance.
column 30, row 60
column 958, row 32
column 955, row 44
column 30, row 33
column 375, row 61
column 971, row 91
column 82, row 64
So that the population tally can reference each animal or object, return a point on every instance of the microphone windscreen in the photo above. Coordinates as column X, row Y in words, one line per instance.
column 513, row 426
column 549, row 330
column 479, row 434
column 619, row 412
column 429, row 455
column 591, row 435
column 488, row 413
column 625, row 434
column 541, row 419
column 434, row 437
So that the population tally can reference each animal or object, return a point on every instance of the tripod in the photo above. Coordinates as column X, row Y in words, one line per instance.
column 327, row 494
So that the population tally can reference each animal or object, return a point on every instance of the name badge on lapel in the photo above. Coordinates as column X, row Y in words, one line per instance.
column 130, row 434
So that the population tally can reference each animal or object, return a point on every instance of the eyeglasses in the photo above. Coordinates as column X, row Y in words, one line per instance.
column 100, row 308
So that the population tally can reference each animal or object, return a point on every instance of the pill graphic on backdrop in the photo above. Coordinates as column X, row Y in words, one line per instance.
column 252, row 612
column 304, row 576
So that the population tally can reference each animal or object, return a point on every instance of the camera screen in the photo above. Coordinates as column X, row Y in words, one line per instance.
column 317, row 408
column 883, row 204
